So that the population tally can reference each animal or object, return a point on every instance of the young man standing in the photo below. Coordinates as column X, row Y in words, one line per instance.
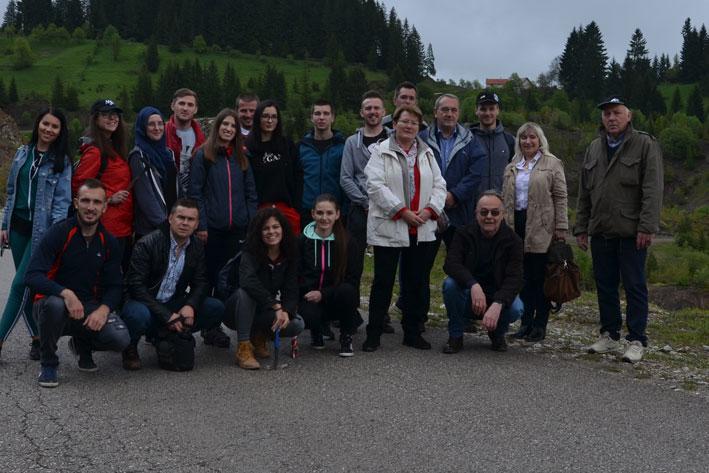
column 245, row 109
column 183, row 134
column 404, row 94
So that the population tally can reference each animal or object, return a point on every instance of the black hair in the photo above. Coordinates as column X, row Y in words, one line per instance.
column 341, row 238
column 185, row 202
column 254, row 137
column 60, row 147
column 254, row 241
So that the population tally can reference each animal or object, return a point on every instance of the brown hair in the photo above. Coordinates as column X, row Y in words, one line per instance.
column 341, row 239
column 211, row 146
column 183, row 92
column 114, row 146
column 412, row 109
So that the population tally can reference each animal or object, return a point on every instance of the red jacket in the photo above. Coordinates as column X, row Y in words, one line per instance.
column 118, row 219
column 175, row 143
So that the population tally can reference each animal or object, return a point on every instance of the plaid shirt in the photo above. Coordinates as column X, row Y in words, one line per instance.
column 175, row 265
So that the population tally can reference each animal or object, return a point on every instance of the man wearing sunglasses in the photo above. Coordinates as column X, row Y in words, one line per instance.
column 484, row 268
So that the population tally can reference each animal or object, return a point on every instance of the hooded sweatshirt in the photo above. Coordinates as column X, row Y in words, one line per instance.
column 499, row 148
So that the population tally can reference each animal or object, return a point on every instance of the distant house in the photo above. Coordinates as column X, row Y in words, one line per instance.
column 496, row 83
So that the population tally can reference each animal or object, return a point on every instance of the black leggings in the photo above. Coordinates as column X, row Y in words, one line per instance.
column 337, row 303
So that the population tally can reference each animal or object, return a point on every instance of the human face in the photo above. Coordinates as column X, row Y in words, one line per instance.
column 183, row 222
column 447, row 113
column 372, row 111
column 48, row 130
column 155, row 127
column 489, row 223
column 90, row 204
column 269, row 119
column 615, row 119
column 108, row 122
column 406, row 97
column 325, row 215
column 406, row 127
column 272, row 233
column 322, row 118
column 529, row 143
column 487, row 114
column 184, row 108
column 245, row 111
column 227, row 130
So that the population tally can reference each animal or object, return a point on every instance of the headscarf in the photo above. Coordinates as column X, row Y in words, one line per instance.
column 159, row 155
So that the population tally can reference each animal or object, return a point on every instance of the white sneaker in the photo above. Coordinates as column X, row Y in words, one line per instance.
column 604, row 344
column 634, row 352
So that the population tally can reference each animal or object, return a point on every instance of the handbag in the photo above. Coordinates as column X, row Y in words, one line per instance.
column 175, row 350
column 562, row 277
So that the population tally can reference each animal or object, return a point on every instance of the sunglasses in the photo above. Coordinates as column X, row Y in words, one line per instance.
column 493, row 212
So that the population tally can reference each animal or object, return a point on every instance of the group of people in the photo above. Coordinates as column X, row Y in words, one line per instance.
column 245, row 229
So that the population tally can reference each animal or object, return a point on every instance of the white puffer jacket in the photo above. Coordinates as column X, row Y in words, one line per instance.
column 388, row 189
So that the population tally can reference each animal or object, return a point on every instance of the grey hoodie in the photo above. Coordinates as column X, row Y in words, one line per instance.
column 354, row 159
column 496, row 144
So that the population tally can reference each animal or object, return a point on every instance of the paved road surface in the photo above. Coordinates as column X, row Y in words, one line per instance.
column 397, row 410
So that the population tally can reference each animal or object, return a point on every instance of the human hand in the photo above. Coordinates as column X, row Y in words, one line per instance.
column 187, row 313
column 313, row 296
column 492, row 315
column 119, row 197
column 4, row 237
column 73, row 304
column 560, row 234
column 96, row 319
column 450, row 200
column 411, row 218
column 582, row 241
column 281, row 320
column 478, row 299
column 202, row 235
column 643, row 240
column 424, row 214
column 174, row 326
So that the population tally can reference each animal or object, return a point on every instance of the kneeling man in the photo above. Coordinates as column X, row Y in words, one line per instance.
column 163, row 265
column 484, row 268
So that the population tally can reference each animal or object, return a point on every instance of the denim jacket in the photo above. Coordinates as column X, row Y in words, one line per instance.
column 53, row 194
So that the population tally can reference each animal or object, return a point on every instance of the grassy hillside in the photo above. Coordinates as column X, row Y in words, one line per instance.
column 93, row 71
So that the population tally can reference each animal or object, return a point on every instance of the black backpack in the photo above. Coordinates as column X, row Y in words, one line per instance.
column 175, row 350
column 228, row 278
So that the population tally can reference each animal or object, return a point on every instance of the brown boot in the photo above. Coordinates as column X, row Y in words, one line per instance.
column 245, row 356
column 260, row 343
column 131, row 359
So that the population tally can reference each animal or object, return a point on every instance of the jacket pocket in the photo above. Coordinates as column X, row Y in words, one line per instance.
column 590, row 169
column 629, row 170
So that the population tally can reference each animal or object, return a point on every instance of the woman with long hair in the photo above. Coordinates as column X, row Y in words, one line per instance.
column 154, row 172
column 267, row 296
column 104, row 157
column 38, row 195
column 327, row 275
column 534, row 189
column 274, row 160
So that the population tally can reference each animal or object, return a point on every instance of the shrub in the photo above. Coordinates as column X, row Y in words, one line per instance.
column 680, row 143
column 22, row 56
column 199, row 44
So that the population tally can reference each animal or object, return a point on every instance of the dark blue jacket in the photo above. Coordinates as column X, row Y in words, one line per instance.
column 461, row 177
column 321, row 172
column 499, row 147
column 225, row 195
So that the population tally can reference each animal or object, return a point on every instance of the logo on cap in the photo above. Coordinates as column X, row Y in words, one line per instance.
column 108, row 102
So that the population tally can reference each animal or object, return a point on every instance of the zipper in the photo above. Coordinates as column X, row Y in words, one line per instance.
column 228, row 173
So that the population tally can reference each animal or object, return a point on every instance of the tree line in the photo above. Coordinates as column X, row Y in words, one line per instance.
column 318, row 29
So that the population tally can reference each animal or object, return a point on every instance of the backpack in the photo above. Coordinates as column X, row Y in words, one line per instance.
column 228, row 278
column 510, row 145
column 175, row 350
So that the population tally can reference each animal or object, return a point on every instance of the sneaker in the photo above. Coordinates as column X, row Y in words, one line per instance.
column 371, row 343
column 216, row 337
column 34, row 350
column 604, row 344
column 48, row 377
column 454, row 345
column 346, row 346
column 327, row 333
column 131, row 358
column 86, row 360
column 537, row 334
column 497, row 343
column 317, row 340
column 634, row 353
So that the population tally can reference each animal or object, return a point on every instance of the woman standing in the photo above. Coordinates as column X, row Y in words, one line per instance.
column 103, row 157
column 222, row 183
column 38, row 195
column 534, row 189
column 274, row 160
column 406, row 194
column 268, row 287
column 154, row 172
column 327, row 275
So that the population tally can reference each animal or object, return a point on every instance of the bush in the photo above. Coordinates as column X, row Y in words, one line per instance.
column 680, row 143
column 22, row 56
column 79, row 34
column 199, row 44
column 512, row 120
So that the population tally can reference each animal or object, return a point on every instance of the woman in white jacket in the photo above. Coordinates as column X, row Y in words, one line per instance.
column 406, row 195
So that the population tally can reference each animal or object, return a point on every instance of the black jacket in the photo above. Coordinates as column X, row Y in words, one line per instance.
column 508, row 256
column 311, row 269
column 262, row 281
column 148, row 265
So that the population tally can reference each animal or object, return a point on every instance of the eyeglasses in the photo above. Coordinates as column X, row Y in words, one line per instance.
column 110, row 115
column 156, row 124
column 269, row 117
column 485, row 212
column 448, row 110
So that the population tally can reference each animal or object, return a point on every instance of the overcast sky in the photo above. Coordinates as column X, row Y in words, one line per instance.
column 473, row 39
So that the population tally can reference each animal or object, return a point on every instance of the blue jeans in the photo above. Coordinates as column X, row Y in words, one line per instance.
column 615, row 259
column 140, row 321
column 460, row 310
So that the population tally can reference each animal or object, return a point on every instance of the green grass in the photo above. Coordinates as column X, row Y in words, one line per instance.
column 105, row 77
column 686, row 327
column 669, row 263
column 667, row 90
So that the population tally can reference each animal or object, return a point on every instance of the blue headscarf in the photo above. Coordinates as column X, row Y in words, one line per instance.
column 157, row 152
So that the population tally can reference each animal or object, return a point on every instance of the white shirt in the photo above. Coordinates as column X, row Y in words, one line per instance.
column 524, row 170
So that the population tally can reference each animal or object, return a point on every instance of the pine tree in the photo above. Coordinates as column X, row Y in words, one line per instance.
column 354, row 86
column 22, row 56
column 335, row 81
column 11, row 17
column 152, row 57
column 143, row 91
column 231, row 85
column 429, row 62
column 12, row 96
column 125, row 102
column 695, row 104
column 569, row 72
column 71, row 98
column 3, row 94
column 58, row 97
column 676, row 104
column 414, row 56
column 34, row 13
column 593, row 63
column 210, row 90
column 639, row 82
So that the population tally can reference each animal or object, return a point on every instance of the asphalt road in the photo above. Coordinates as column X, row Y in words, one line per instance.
column 396, row 410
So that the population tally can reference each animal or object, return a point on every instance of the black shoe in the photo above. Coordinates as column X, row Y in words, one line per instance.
column 34, row 350
column 454, row 345
column 216, row 337
column 388, row 328
column 86, row 360
column 327, row 333
column 416, row 341
column 317, row 340
column 537, row 334
column 497, row 343
column 522, row 332
column 371, row 343
column 346, row 345
column 335, row 323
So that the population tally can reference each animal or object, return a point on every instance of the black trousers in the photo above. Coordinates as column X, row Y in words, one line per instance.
column 338, row 303
column 222, row 245
column 357, row 228
column 536, row 305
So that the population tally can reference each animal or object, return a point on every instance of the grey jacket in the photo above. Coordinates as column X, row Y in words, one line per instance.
column 496, row 144
column 354, row 159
